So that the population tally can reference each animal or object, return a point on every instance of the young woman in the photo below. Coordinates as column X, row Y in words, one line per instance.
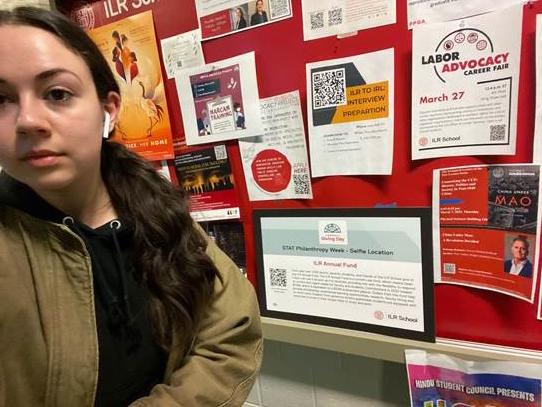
column 110, row 295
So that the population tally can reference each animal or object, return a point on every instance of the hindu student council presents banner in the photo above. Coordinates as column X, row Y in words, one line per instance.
column 465, row 86
column 223, row 17
column 434, row 11
column 486, row 227
column 437, row 380
column 205, row 174
column 350, row 114
column 365, row 272
column 220, row 101
column 275, row 163
column 129, row 46
column 324, row 18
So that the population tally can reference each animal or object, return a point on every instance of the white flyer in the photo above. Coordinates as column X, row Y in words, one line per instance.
column 220, row 101
column 336, row 17
column 350, row 114
column 434, row 11
column 182, row 51
column 537, row 148
column 222, row 17
column 465, row 86
column 275, row 163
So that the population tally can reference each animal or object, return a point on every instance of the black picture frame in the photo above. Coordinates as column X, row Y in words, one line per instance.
column 424, row 214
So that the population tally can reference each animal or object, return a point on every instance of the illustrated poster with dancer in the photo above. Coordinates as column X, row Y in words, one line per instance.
column 486, row 227
column 129, row 45
column 220, row 101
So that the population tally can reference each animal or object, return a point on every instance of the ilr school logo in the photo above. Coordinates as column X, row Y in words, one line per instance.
column 465, row 52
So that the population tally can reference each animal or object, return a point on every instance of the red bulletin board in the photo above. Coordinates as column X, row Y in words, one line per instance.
column 281, row 54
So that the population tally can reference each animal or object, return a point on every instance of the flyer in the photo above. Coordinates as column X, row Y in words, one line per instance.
column 222, row 17
column 486, row 227
column 435, row 11
column 230, row 237
column 220, row 101
column 182, row 51
column 205, row 174
column 365, row 269
column 437, row 380
column 129, row 45
column 350, row 114
column 275, row 164
column 465, row 86
column 336, row 17
column 537, row 147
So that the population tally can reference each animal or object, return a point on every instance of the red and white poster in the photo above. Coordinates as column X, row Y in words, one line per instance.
column 220, row 101
column 486, row 227
column 205, row 174
column 276, row 164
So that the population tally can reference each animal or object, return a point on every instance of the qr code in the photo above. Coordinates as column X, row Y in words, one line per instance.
column 179, row 64
column 335, row 16
column 279, row 8
column 449, row 268
column 302, row 184
column 317, row 20
column 220, row 152
column 329, row 88
column 497, row 132
column 278, row 277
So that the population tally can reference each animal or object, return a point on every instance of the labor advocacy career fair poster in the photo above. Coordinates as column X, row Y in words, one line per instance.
column 365, row 269
column 465, row 86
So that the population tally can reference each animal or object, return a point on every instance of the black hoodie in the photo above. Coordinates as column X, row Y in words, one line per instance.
column 130, row 362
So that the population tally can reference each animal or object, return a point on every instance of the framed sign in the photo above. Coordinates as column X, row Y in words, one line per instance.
column 363, row 269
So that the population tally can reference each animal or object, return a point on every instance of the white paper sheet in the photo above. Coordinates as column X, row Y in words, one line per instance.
column 334, row 17
column 222, row 17
column 434, row 11
column 182, row 51
column 465, row 86
column 276, row 165
column 220, row 101
column 350, row 114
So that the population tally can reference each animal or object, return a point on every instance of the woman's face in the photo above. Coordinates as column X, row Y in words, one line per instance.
column 51, row 119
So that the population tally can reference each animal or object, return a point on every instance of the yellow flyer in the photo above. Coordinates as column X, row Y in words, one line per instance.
column 129, row 45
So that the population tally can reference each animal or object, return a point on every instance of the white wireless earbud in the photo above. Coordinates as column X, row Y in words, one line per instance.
column 107, row 122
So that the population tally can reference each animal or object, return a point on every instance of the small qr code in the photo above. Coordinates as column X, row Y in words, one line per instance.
column 279, row 8
column 302, row 184
column 317, row 20
column 328, row 88
column 220, row 152
column 497, row 132
column 278, row 277
column 179, row 64
column 335, row 17
column 449, row 268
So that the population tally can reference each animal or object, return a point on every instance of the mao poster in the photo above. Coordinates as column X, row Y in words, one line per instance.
column 465, row 78
column 220, row 101
column 486, row 222
column 205, row 174
column 350, row 114
column 437, row 380
column 129, row 45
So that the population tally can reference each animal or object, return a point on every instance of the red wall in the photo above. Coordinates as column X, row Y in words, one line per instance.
column 281, row 55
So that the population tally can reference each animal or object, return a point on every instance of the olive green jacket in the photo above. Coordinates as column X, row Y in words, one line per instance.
column 48, row 338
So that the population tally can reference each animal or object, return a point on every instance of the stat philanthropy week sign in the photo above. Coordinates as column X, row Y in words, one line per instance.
column 465, row 86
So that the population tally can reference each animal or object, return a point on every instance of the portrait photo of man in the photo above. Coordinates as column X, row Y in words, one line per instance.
column 519, row 264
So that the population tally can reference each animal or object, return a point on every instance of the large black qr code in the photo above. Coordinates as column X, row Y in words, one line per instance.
column 278, row 277
column 329, row 88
